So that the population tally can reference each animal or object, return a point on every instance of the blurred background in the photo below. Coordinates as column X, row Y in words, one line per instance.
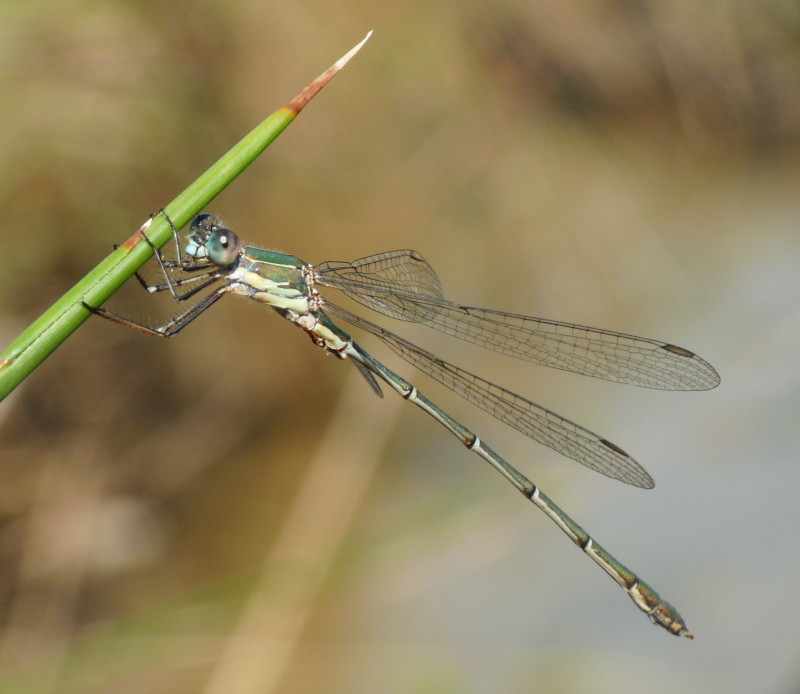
column 230, row 511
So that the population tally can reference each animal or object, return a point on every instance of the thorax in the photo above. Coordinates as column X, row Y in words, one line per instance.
column 272, row 278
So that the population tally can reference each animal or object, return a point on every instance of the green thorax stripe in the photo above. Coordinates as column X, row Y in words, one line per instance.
column 273, row 272
column 272, row 257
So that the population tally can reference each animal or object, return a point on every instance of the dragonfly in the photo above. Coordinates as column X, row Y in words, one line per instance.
column 402, row 285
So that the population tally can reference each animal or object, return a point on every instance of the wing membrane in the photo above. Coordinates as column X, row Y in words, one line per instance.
column 540, row 424
column 402, row 285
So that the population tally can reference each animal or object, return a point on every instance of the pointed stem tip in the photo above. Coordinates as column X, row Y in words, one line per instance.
column 339, row 64
column 300, row 100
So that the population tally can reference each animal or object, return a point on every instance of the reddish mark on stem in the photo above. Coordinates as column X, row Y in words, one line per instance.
column 137, row 236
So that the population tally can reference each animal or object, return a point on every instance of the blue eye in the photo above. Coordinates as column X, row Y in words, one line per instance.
column 222, row 246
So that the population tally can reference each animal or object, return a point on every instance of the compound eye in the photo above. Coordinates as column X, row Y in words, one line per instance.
column 223, row 246
column 206, row 222
column 200, row 230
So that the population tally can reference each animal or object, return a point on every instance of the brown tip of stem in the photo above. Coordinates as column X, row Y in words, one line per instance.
column 296, row 104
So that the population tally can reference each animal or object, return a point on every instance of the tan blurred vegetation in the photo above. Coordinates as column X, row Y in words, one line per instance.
column 584, row 161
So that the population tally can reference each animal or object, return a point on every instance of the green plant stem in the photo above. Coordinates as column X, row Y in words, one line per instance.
column 45, row 334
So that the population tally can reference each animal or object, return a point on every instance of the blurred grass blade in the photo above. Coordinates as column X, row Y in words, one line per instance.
column 43, row 336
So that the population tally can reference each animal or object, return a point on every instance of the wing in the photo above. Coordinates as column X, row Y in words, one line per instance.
column 540, row 424
column 400, row 284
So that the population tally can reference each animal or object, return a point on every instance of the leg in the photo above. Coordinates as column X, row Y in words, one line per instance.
column 206, row 279
column 171, row 327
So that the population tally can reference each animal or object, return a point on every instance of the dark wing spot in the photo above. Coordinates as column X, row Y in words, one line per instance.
column 614, row 447
column 680, row 351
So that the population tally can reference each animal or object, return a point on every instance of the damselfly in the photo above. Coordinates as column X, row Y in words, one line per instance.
column 401, row 285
